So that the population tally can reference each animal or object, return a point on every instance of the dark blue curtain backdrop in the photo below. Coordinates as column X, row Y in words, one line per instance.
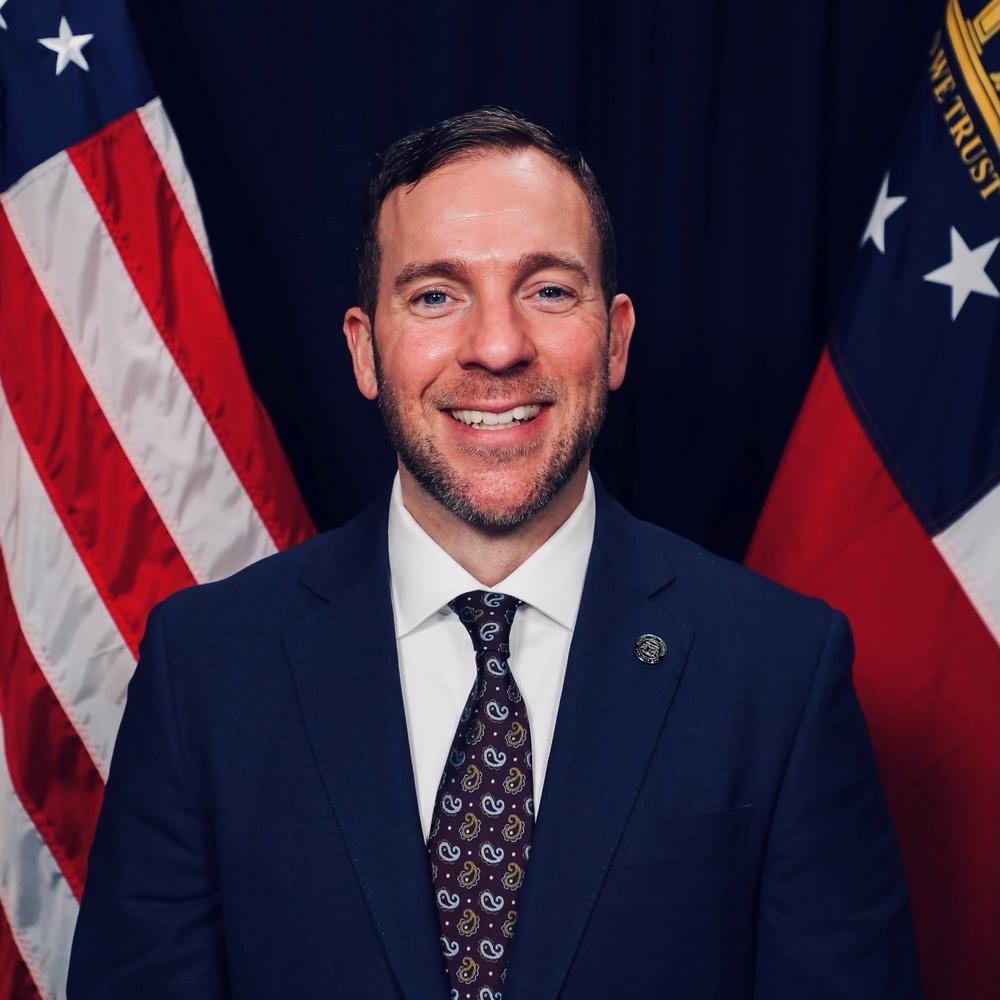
column 740, row 146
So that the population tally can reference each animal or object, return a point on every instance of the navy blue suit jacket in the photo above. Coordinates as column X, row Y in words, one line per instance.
column 712, row 825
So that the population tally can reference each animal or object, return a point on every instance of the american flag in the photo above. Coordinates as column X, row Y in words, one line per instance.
column 887, row 501
column 135, row 458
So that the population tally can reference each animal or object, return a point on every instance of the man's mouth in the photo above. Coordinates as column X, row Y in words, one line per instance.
column 484, row 420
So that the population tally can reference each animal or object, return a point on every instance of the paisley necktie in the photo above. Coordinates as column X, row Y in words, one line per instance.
column 480, row 835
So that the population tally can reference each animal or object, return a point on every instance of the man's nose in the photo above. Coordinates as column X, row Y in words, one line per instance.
column 497, row 337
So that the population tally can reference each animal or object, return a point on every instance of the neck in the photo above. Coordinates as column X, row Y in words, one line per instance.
column 490, row 555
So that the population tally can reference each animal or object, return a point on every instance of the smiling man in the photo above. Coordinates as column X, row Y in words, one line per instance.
column 329, row 779
column 498, row 338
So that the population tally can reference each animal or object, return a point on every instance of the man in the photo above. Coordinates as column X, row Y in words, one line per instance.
column 320, row 789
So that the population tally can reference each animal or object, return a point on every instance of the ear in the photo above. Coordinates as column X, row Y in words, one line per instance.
column 358, row 332
column 621, row 323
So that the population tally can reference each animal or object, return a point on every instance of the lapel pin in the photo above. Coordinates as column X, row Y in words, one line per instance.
column 650, row 648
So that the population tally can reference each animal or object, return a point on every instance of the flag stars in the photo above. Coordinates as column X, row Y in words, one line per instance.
column 3, row 23
column 965, row 273
column 68, row 47
column 884, row 207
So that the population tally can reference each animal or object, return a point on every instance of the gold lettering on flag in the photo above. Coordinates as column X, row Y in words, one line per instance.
column 968, row 40
column 956, row 113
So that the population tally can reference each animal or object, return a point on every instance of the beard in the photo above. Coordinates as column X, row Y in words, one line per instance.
column 436, row 476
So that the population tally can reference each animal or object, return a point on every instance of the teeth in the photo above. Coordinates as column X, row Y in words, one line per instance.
column 484, row 420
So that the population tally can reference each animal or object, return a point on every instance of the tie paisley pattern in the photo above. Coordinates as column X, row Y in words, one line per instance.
column 480, row 837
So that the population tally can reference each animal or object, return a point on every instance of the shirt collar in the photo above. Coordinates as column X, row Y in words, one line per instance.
column 425, row 578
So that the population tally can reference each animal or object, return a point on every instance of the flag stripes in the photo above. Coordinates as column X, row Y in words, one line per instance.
column 121, row 170
column 66, row 624
column 87, row 475
column 134, row 460
column 40, row 907
column 972, row 550
column 144, row 396
column 161, row 135
column 837, row 526
column 48, row 767
column 15, row 980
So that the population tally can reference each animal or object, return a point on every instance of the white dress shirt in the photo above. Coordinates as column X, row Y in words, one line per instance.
column 437, row 664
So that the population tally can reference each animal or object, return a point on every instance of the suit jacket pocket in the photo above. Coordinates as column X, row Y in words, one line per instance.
column 651, row 839
column 673, row 908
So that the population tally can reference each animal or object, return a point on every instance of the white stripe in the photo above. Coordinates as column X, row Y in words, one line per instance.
column 143, row 394
column 971, row 548
column 161, row 134
column 63, row 619
column 40, row 907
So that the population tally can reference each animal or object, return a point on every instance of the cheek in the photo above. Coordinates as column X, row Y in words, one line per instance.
column 574, row 346
column 413, row 363
column 578, row 361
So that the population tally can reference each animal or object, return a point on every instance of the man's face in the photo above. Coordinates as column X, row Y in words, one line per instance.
column 493, row 351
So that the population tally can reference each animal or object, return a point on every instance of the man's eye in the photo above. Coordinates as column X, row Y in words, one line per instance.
column 433, row 298
column 554, row 297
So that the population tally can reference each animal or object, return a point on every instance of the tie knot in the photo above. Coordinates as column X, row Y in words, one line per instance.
column 487, row 617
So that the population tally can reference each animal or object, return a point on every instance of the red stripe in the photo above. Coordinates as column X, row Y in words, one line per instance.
column 112, row 523
column 50, row 770
column 124, row 176
column 15, row 979
column 836, row 526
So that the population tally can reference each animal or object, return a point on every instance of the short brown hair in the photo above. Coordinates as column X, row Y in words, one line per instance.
column 410, row 159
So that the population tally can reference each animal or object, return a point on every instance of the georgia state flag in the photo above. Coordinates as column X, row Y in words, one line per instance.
column 887, row 501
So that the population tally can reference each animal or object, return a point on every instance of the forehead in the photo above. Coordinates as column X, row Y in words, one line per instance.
column 490, row 207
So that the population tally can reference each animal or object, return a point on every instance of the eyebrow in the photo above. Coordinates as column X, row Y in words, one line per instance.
column 450, row 267
column 455, row 269
column 532, row 262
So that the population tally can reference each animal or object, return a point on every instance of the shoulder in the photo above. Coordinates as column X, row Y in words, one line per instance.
column 757, row 646
column 271, row 584
column 709, row 578
column 758, row 604
column 261, row 599
column 727, row 603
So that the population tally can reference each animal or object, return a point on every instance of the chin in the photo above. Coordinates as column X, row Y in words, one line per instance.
column 491, row 517
column 495, row 489
column 502, row 505
column 493, row 500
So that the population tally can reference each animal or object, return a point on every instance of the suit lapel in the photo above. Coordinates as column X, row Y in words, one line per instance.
column 610, row 716
column 346, row 673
